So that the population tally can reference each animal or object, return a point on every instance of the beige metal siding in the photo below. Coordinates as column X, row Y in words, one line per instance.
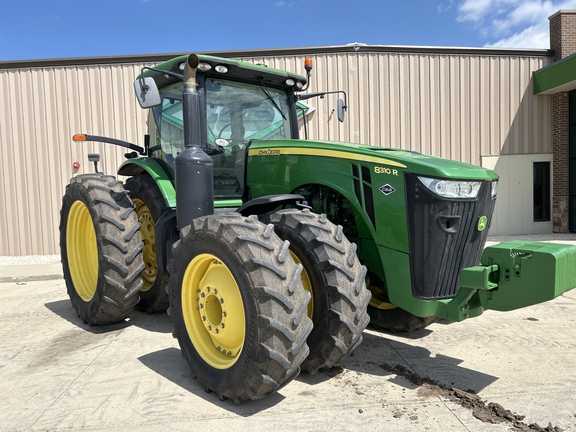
column 41, row 110
column 455, row 106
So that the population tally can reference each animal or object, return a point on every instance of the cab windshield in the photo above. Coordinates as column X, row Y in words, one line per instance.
column 236, row 113
column 239, row 112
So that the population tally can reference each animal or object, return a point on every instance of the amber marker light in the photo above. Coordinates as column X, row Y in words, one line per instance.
column 79, row 137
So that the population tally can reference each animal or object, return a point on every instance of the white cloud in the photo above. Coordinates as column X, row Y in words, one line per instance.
column 512, row 23
column 535, row 36
column 477, row 10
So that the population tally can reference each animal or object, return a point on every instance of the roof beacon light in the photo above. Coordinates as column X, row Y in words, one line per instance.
column 308, row 64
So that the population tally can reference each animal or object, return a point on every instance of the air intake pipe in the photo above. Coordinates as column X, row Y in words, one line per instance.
column 193, row 167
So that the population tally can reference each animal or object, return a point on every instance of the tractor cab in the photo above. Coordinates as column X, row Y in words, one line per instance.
column 238, row 103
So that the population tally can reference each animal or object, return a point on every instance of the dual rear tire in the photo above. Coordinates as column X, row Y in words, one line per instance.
column 335, row 278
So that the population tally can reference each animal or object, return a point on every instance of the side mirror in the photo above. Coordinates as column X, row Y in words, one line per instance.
column 147, row 92
column 341, row 110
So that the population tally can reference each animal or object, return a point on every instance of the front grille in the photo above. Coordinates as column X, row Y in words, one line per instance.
column 444, row 238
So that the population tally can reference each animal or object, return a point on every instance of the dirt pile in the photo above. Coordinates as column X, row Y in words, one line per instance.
column 487, row 412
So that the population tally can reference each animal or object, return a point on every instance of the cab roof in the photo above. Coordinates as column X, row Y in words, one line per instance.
column 236, row 69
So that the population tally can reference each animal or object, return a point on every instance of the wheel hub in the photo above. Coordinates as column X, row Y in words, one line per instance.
column 147, row 233
column 213, row 311
column 379, row 299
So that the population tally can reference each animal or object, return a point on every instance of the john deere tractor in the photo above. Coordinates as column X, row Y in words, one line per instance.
column 272, row 253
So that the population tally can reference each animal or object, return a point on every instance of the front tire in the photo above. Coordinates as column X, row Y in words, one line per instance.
column 238, row 306
column 101, row 248
column 335, row 277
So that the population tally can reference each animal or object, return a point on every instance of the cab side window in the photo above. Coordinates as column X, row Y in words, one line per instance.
column 169, row 125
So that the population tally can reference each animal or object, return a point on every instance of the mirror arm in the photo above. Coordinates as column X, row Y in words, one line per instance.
column 322, row 94
column 165, row 72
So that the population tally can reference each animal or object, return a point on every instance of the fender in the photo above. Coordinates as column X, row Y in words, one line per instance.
column 166, row 235
column 158, row 170
column 268, row 203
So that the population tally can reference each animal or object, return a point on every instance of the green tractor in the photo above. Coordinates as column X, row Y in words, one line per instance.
column 270, row 253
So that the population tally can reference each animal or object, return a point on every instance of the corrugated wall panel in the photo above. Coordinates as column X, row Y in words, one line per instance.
column 40, row 111
column 456, row 106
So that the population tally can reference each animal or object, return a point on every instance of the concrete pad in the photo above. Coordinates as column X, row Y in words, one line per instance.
column 57, row 373
column 32, row 272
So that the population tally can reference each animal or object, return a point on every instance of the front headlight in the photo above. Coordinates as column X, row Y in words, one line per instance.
column 451, row 188
column 494, row 188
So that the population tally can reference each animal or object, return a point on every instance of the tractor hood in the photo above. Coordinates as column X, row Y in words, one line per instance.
column 402, row 160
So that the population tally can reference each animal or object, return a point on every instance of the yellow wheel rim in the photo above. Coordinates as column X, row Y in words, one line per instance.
column 213, row 311
column 379, row 299
column 307, row 285
column 82, row 251
column 147, row 233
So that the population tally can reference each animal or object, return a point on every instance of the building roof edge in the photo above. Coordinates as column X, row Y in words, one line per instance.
column 269, row 52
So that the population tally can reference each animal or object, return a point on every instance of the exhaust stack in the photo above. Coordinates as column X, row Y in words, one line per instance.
column 193, row 167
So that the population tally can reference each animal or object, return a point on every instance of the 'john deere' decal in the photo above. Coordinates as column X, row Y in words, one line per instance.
column 387, row 189
column 482, row 223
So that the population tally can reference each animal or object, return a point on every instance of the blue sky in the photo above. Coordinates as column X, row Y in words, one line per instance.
column 32, row 29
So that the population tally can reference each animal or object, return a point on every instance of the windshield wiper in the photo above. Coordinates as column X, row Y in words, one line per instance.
column 265, row 90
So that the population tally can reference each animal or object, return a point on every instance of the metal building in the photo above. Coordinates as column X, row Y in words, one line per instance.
column 472, row 105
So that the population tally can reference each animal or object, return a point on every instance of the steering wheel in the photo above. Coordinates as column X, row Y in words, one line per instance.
column 227, row 125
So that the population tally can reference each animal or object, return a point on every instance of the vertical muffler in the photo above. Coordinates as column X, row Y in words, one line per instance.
column 193, row 167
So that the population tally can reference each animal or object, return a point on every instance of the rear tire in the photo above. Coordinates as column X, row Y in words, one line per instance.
column 335, row 278
column 150, row 205
column 101, row 248
column 238, row 306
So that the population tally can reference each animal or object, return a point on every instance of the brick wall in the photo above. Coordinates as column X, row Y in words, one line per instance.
column 563, row 34
column 563, row 42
